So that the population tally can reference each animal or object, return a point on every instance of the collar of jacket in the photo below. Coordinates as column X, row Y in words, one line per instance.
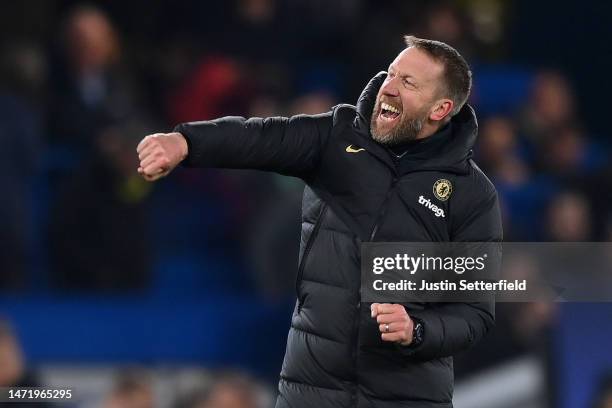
column 452, row 158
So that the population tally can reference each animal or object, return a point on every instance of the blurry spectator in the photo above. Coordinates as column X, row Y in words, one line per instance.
column 272, row 250
column 603, row 397
column 256, row 11
column 319, row 37
column 131, row 390
column 23, row 71
column 271, row 247
column 12, row 367
column 213, row 90
column 498, row 152
column 489, row 25
column 551, row 106
column 21, row 138
column 229, row 391
column 523, row 194
column 567, row 152
column 445, row 21
column 13, row 371
column 564, row 151
column 89, row 85
column 594, row 186
column 256, row 25
column 520, row 328
column 312, row 103
column 98, row 233
column 264, row 106
column 496, row 141
column 379, row 35
column 569, row 218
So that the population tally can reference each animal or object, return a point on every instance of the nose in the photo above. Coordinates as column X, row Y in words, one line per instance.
column 389, row 88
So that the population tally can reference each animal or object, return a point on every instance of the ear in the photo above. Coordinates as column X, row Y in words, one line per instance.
column 441, row 109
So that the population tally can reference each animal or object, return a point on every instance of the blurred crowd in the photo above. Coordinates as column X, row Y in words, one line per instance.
column 143, row 387
column 135, row 387
column 81, row 84
column 78, row 94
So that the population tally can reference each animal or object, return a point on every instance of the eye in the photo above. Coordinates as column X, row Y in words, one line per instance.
column 408, row 84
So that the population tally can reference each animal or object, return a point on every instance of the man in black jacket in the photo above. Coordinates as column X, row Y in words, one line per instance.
column 396, row 167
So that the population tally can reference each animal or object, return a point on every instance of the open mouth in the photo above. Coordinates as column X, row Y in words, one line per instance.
column 389, row 112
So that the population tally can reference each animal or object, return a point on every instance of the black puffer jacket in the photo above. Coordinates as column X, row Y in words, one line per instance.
column 334, row 356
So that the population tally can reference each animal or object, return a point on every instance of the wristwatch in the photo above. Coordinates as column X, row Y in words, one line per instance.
column 418, row 332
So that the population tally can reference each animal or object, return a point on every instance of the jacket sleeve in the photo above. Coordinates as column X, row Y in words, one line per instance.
column 290, row 146
column 453, row 327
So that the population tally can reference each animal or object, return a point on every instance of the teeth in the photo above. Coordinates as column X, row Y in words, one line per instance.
column 388, row 107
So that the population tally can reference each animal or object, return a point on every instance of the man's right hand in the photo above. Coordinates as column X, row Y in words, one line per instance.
column 160, row 153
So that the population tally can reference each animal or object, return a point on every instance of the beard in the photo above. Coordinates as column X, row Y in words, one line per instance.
column 405, row 131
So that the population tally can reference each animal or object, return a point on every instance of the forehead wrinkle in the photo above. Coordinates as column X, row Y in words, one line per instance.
column 420, row 60
column 403, row 74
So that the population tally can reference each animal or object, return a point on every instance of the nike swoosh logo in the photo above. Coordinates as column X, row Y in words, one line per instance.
column 351, row 149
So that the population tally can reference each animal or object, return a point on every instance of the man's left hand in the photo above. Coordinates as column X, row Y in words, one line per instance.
column 393, row 322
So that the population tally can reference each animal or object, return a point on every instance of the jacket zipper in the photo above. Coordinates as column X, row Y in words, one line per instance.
column 357, row 321
column 355, row 351
column 309, row 244
column 383, row 210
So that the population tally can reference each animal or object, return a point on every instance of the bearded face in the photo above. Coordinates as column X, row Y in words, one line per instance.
column 391, row 125
column 404, row 108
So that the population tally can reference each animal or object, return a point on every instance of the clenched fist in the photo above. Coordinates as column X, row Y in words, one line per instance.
column 393, row 322
column 160, row 153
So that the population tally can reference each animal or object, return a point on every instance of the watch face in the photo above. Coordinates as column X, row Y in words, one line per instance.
column 418, row 333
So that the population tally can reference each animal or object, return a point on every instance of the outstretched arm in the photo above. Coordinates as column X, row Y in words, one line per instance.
column 290, row 146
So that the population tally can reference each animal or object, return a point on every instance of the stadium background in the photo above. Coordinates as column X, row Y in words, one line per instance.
column 179, row 293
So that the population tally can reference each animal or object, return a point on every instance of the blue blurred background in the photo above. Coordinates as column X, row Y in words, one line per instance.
column 179, row 293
